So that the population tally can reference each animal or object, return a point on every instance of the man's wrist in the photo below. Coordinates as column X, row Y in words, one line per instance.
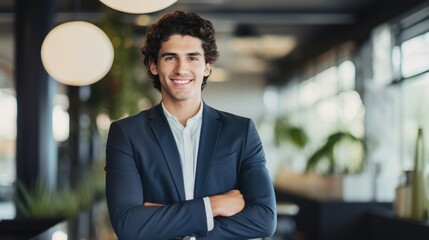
column 213, row 207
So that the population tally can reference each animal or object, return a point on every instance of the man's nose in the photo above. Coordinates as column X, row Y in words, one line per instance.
column 181, row 66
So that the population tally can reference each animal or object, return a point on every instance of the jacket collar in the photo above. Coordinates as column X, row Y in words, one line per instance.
column 210, row 131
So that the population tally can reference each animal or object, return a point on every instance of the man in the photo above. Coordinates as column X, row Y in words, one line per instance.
column 183, row 170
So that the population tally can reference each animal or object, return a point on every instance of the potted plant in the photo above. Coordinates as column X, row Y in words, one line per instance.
column 40, row 207
column 327, row 152
column 327, row 184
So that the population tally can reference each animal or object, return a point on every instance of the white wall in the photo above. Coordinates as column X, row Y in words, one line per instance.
column 242, row 97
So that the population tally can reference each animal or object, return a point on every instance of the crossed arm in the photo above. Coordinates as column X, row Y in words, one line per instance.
column 238, row 214
column 225, row 205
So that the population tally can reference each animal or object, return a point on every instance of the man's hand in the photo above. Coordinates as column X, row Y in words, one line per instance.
column 227, row 204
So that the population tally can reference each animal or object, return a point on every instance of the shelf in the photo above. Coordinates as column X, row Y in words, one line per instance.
column 385, row 225
column 319, row 219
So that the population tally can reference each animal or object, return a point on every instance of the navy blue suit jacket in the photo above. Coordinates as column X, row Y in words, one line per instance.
column 143, row 165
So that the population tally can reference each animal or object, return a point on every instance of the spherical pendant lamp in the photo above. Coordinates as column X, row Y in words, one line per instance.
column 77, row 53
column 138, row 6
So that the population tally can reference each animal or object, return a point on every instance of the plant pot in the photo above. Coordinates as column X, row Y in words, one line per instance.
column 25, row 228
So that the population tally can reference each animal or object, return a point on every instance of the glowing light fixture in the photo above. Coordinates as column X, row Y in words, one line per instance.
column 138, row 6
column 77, row 53
column 268, row 46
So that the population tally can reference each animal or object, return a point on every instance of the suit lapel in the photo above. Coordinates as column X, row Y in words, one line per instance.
column 210, row 131
column 166, row 141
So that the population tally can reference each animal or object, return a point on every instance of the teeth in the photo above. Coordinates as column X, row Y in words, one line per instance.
column 181, row 81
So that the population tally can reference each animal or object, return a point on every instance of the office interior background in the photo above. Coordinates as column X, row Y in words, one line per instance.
column 337, row 89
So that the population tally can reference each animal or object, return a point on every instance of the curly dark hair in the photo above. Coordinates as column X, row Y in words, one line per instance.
column 184, row 24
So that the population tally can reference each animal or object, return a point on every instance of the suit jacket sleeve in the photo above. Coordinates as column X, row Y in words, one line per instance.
column 258, row 219
column 125, row 198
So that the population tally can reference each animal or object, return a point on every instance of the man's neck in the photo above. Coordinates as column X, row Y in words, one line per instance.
column 182, row 110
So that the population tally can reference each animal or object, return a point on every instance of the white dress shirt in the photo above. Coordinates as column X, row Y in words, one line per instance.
column 187, row 140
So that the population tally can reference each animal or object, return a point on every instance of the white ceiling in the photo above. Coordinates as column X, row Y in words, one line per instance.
column 304, row 27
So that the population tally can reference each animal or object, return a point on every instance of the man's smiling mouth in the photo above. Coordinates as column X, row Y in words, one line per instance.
column 182, row 82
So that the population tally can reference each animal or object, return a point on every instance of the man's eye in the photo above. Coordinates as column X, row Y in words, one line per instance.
column 193, row 58
column 169, row 58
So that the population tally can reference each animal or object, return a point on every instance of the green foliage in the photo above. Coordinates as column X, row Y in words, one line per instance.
column 327, row 150
column 285, row 132
column 42, row 202
column 124, row 86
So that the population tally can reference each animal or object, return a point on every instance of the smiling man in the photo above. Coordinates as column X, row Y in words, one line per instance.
column 184, row 170
column 181, row 67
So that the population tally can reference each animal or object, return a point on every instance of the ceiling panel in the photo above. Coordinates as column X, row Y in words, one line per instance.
column 314, row 24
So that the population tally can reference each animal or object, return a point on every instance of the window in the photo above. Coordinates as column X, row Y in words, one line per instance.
column 415, row 55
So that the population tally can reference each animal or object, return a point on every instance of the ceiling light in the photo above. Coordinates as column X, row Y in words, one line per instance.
column 77, row 53
column 143, row 20
column 138, row 6
column 268, row 46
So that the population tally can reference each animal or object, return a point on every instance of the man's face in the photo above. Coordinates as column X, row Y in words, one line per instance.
column 181, row 67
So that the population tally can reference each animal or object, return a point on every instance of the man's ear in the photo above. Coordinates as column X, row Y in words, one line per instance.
column 153, row 68
column 207, row 70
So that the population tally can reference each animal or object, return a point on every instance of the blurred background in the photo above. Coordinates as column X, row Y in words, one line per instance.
column 337, row 89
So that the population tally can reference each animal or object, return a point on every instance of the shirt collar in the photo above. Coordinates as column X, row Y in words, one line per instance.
column 197, row 116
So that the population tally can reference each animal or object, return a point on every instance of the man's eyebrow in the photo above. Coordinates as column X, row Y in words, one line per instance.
column 175, row 54
column 194, row 54
column 168, row 54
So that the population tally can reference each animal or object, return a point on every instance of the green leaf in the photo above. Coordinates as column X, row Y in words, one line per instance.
column 327, row 150
column 285, row 132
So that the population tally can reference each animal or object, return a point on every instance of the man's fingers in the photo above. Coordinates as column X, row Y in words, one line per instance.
column 150, row 204
column 227, row 204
